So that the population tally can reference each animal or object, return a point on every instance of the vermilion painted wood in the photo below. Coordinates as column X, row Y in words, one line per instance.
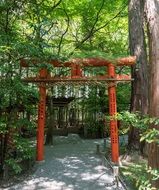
column 73, row 70
column 87, row 62
column 76, row 76
column 112, row 112
column 78, row 70
column 41, row 117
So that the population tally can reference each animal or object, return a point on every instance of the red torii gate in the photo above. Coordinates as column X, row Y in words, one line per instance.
column 76, row 66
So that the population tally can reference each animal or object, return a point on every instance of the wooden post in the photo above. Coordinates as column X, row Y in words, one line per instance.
column 112, row 112
column 41, row 117
column 73, row 70
column 76, row 71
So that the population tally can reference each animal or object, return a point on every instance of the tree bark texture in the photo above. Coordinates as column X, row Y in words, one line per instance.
column 139, row 95
column 152, row 15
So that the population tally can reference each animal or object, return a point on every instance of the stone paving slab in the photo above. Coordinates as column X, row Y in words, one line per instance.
column 70, row 164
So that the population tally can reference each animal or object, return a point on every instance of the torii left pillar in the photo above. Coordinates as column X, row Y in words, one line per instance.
column 41, row 117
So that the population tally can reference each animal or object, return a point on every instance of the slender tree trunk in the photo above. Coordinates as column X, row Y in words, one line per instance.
column 51, row 122
column 152, row 15
column 139, row 96
column 61, row 117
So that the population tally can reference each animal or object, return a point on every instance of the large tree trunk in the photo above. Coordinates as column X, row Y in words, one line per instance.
column 152, row 14
column 139, row 96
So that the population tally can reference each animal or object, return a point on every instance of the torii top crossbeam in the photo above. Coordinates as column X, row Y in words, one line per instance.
column 76, row 66
column 86, row 62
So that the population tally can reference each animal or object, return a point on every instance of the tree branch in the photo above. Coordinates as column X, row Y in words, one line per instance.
column 46, row 32
column 56, row 5
column 93, row 30
column 66, row 30
column 107, row 23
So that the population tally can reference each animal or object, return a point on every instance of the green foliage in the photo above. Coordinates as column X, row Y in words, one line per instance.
column 143, row 182
column 123, row 97
column 137, row 173
column 150, row 135
column 154, row 173
column 24, row 148
column 94, row 126
column 3, row 129
column 143, row 123
column 147, row 127
column 12, row 163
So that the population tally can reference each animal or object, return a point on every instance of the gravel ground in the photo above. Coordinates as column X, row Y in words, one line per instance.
column 70, row 164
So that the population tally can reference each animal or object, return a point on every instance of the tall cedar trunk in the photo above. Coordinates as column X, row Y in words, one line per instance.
column 139, row 96
column 152, row 14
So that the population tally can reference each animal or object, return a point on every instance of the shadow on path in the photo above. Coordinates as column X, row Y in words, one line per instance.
column 69, row 165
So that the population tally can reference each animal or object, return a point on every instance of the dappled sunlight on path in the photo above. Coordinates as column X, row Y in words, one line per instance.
column 69, row 165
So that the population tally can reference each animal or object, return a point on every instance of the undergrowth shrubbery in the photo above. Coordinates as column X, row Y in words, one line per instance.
column 17, row 124
column 149, row 135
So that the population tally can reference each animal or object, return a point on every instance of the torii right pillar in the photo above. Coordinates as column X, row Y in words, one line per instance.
column 112, row 112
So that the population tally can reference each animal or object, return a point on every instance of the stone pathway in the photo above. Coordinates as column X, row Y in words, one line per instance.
column 70, row 164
